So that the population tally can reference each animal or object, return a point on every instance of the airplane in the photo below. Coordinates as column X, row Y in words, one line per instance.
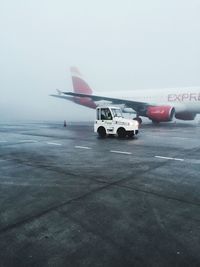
column 159, row 105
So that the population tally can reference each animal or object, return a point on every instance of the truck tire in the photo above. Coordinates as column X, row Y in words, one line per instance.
column 121, row 132
column 101, row 132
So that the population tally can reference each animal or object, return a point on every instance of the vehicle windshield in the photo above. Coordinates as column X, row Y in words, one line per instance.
column 116, row 112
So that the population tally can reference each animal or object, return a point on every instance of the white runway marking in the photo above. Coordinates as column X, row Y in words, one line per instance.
column 83, row 147
column 29, row 184
column 181, row 138
column 120, row 152
column 54, row 144
column 161, row 157
column 29, row 140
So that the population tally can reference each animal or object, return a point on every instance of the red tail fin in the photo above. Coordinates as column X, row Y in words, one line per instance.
column 79, row 85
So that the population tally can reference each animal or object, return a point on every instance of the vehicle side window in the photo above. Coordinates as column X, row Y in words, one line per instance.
column 106, row 114
column 103, row 114
column 109, row 116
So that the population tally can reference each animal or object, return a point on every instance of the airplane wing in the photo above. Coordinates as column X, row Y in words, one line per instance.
column 136, row 105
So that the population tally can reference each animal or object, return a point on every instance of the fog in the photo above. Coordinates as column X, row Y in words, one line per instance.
column 117, row 45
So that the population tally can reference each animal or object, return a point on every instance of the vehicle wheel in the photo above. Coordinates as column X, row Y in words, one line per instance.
column 101, row 132
column 139, row 120
column 121, row 132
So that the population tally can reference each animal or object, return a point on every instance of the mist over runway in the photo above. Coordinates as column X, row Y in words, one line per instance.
column 118, row 45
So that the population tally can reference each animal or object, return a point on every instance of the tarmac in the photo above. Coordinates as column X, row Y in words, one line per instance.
column 69, row 198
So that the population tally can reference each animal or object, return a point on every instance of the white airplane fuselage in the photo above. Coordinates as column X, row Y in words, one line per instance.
column 182, row 99
column 159, row 105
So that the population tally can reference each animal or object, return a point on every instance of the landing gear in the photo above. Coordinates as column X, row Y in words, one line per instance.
column 155, row 122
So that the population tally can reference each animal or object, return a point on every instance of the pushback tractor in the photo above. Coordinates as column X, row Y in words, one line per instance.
column 110, row 121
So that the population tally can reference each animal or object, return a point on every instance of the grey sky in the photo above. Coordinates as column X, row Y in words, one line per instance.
column 116, row 44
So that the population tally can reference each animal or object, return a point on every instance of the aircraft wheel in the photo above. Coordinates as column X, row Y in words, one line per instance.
column 101, row 132
column 155, row 122
column 121, row 132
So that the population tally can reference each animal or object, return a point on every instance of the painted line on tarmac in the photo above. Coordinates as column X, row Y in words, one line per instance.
column 120, row 152
column 28, row 140
column 54, row 144
column 169, row 158
column 29, row 184
column 180, row 138
column 83, row 147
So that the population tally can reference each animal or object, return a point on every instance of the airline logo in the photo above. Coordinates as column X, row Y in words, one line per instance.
column 80, row 86
column 184, row 97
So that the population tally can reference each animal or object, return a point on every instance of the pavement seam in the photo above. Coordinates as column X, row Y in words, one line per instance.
column 59, row 206
column 159, row 195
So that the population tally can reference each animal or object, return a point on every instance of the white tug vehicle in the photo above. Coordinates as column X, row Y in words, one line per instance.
column 110, row 121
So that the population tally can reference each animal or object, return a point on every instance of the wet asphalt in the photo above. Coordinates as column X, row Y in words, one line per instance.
column 69, row 198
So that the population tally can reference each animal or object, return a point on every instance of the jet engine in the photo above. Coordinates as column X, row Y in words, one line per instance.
column 160, row 113
column 186, row 116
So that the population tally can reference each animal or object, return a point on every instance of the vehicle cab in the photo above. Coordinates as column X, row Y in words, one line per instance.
column 110, row 121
